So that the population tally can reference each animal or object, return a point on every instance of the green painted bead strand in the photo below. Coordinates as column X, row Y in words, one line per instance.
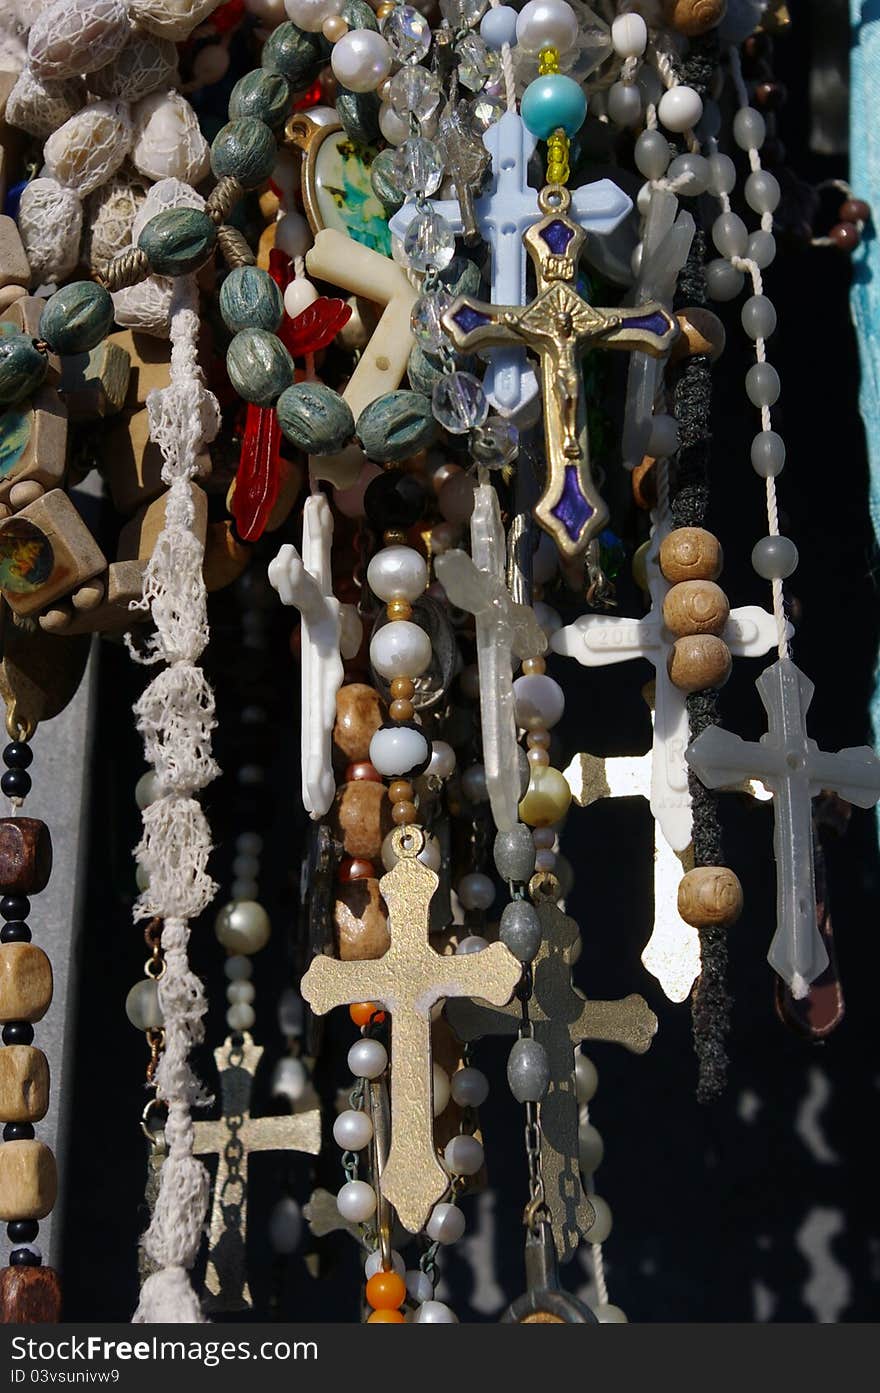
column 296, row 55
column 315, row 418
column 396, row 425
column 77, row 318
column 177, row 241
column 262, row 95
column 245, row 150
column 259, row 366
column 23, row 368
column 250, row 299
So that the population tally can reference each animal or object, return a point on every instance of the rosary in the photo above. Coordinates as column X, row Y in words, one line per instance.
column 387, row 335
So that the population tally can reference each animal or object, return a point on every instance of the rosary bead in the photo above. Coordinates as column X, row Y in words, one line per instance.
column 762, row 248
column 314, row 418
column 442, row 763
column 476, row 891
column 586, row 1078
column 28, row 1180
column 259, row 366
column 624, row 102
column 385, row 1291
column 418, row 1284
column 663, row 440
column 547, row 797
column 18, row 755
column 762, row 192
column 373, row 1264
column 463, row 1155
column 520, row 930
column 404, row 813
column 775, row 558
column 360, row 818
column 700, row 331
column 77, row 317
column 696, row 168
column 22, row 1230
column 545, row 24
column 514, row 853
column 401, row 710
column 699, row 661
column 394, row 499
column 353, row 868
column 435, row 1313
column 142, row 1005
column 352, row 1130
column 396, row 425
column 285, row 1226
column 397, row 572
column 293, row 236
column 250, row 299
column 601, row 1225
column 854, row 210
column 240, row 1016
column 693, row 17
column 652, row 154
column 177, row 241
column 243, row 991
column 14, row 907
column 310, row 14
column 243, row 926
column 551, row 103
column 14, row 931
column 591, row 1148
column 528, row 1071
column 25, row 983
column 690, row 553
column 456, row 498
column 473, row 783
column 730, row 235
column 295, row 54
column 446, row 1223
column 762, row 384
column 845, row 236
column 536, row 756
column 749, row 128
column 398, row 609
column 367, row 1059
column 361, row 60
column 18, row 1033
column 22, row 368
column 758, row 317
column 356, row 1201
column 15, row 783
column 723, row 281
column 768, row 454
column 710, row 895
column 471, row 943
column 400, row 648
column 359, row 715
column 261, row 95
column 498, row 27
column 386, row 1318
column 440, row 1091
column 469, row 1087
column 680, row 109
column 400, row 790
column 695, row 607
column 539, row 702
column 629, row 35
column 722, row 174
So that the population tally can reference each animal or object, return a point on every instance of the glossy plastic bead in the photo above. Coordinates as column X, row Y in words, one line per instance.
column 692, row 168
column 663, row 439
column 22, row 368
column 77, row 317
column 608, row 1314
column 442, row 763
column 356, row 1201
column 762, row 249
column 400, row 649
column 397, row 750
column 629, row 35
column 311, row 14
column 723, row 281
column 624, row 103
column 520, row 929
column 722, row 174
column 439, row 1078
column 539, row 702
column 250, row 299
column 352, row 1130
column 243, row 926
column 386, row 1291
column 775, row 558
column 762, row 191
column 547, row 797
column 373, row 1264
column 749, row 128
column 463, row 1155
column 469, row 1087
column 730, row 235
column 546, row 24
column 652, row 154
column 768, row 454
column 758, row 317
column 315, row 418
column 762, row 384
column 476, row 891
column 471, row 943
column 601, row 1226
column 680, row 109
column 367, row 1059
column 262, row 95
column 591, row 1148
column 498, row 27
column 551, row 103
column 435, row 1313
column 446, row 1224
column 178, row 240
column 397, row 572
column 259, row 366
column 528, row 1071
column 459, row 402
column 361, row 60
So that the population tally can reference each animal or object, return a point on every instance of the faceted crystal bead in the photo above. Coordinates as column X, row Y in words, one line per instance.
column 459, row 402
column 474, row 65
column 414, row 90
column 429, row 241
column 495, row 443
column 426, row 312
column 484, row 111
column 407, row 33
column 418, row 166
column 463, row 14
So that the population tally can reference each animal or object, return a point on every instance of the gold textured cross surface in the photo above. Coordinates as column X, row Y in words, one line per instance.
column 558, row 325
column 407, row 982
column 562, row 1019
column 231, row 1138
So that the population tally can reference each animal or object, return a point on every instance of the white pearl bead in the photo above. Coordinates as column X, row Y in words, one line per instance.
column 624, row 103
column 293, row 236
column 299, row 295
column 147, row 789
column 393, row 127
column 435, row 1313
column 285, row 1225
column 240, row 991
column 446, row 1224
column 246, row 866
column 243, row 926
column 419, row 1284
column 546, row 24
column 473, row 943
column 397, row 573
column 240, row 1016
column 429, row 854
column 238, row 968
column 289, row 1078
column 442, row 763
column 469, row 1087
column 310, row 14
column 244, row 889
column 400, row 649
column 607, row 1314
column 361, row 60
column 367, row 1059
column 373, row 1263
column 395, row 750
column 591, row 1147
column 629, row 35
column 463, row 1155
column 249, row 843
column 356, row 1201
column 142, row 1005
column 680, row 109
column 538, row 701
column 352, row 1130
column 601, row 1226
column 475, row 890
column 440, row 1089
column 586, row 1077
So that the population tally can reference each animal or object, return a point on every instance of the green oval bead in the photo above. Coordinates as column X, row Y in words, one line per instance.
column 263, row 95
column 22, row 368
column 359, row 114
column 77, row 318
column 178, row 241
column 384, row 182
column 296, row 55
column 359, row 15
column 462, row 277
column 250, row 299
column 259, row 366
column 244, row 149
column 396, row 425
column 315, row 418
column 424, row 370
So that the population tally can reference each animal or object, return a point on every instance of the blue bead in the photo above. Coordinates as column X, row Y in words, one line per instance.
column 498, row 27
column 553, row 103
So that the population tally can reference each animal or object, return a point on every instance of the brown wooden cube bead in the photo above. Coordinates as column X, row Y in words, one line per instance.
column 46, row 551
column 699, row 661
column 690, row 553
column 361, row 818
column 24, row 1084
column 360, row 919
column 25, row 983
column 29, row 1296
column 28, row 1180
column 25, row 855
column 710, row 895
column 138, row 538
column 695, row 607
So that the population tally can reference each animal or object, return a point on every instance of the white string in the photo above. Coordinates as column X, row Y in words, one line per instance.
column 665, row 69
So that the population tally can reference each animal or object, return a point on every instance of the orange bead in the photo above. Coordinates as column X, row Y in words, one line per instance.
column 362, row 1012
column 386, row 1317
column 386, row 1291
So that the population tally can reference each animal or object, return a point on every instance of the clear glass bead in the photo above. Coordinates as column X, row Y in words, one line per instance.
column 463, row 14
column 474, row 65
column 414, row 90
column 495, row 443
column 426, row 326
column 459, row 402
column 484, row 111
column 418, row 167
column 407, row 33
column 429, row 241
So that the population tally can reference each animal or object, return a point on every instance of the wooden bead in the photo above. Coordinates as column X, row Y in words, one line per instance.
column 24, row 1084
column 404, row 813
column 644, row 484
column 700, row 331
column 25, row 983
column 695, row 607
column 25, row 855
column 699, row 661
column 402, row 688
column 28, row 1180
column 693, row 17
column 690, row 553
column 360, row 918
column 362, row 769
column 29, row 1296
column 361, row 818
column 400, row 790
column 359, row 714
column 401, row 710
column 710, row 895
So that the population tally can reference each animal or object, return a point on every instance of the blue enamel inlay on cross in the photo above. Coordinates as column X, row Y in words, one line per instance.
column 467, row 318
column 572, row 510
column 557, row 235
column 654, row 323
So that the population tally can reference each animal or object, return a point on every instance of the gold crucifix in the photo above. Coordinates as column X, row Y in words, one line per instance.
column 558, row 326
column 231, row 1138
column 407, row 982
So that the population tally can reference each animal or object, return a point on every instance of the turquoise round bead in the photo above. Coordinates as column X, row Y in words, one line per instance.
column 177, row 241
column 22, row 368
column 250, row 299
column 263, row 95
column 553, row 103
column 77, row 317
column 259, row 366
column 396, row 425
column 244, row 149
column 315, row 418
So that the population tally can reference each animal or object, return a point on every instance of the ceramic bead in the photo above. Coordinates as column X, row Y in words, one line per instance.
column 178, row 240
column 28, row 1180
column 315, row 418
column 710, row 895
column 695, row 607
column 690, row 553
column 250, row 299
column 263, row 95
column 528, row 1071
column 293, row 53
column 698, row 662
column 22, row 368
column 514, row 853
column 396, row 425
column 244, row 150
column 259, row 366
column 77, row 317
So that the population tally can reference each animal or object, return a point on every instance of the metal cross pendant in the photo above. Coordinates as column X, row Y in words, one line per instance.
column 793, row 767
column 407, row 982
column 558, row 326
column 562, row 1019
column 231, row 1138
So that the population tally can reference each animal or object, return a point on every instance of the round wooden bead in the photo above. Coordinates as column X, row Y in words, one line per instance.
column 178, row 240
column 396, row 425
column 77, row 317
column 700, row 331
column 22, row 368
column 699, row 661
column 695, row 607
column 690, row 553
column 359, row 714
column 710, row 895
column 315, row 418
column 259, row 366
column 245, row 150
column 250, row 299
column 693, row 17
column 360, row 919
column 361, row 818
column 263, row 95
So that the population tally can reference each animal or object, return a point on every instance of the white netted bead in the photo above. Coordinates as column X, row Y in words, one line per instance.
column 172, row 19
column 40, row 107
column 77, row 36
column 167, row 193
column 167, row 139
column 50, row 222
column 27, row 10
column 146, row 306
column 89, row 147
column 145, row 64
column 111, row 212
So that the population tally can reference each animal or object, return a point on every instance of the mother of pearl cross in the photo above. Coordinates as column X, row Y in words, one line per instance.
column 330, row 631
column 597, row 640
column 506, row 210
column 793, row 767
column 407, row 982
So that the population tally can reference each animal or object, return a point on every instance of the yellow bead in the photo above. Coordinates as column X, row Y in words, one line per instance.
column 547, row 797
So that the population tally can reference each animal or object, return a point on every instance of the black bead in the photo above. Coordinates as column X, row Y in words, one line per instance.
column 18, row 1131
column 22, row 1230
column 16, row 783
column 15, row 931
column 23, row 1257
column 15, row 907
column 394, row 499
column 18, row 1033
column 18, row 755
